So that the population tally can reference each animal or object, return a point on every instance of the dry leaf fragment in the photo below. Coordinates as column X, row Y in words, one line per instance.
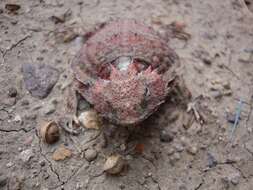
column 61, row 153
column 139, row 148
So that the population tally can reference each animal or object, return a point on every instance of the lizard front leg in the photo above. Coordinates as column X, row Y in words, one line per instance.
column 68, row 120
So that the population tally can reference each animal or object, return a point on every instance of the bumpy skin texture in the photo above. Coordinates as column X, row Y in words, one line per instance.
column 125, row 96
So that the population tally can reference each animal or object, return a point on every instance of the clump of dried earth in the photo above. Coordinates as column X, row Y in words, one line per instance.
column 174, row 149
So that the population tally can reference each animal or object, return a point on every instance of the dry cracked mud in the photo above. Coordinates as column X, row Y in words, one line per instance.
column 173, row 149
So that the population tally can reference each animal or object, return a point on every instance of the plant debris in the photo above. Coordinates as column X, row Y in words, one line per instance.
column 61, row 153
column 50, row 132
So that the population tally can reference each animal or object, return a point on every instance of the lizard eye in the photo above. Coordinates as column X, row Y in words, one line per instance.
column 140, row 65
column 147, row 92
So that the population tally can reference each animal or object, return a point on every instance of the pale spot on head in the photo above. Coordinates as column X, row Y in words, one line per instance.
column 123, row 63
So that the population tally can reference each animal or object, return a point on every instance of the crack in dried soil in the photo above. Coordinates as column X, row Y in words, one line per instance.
column 13, row 46
column 15, row 130
column 49, row 163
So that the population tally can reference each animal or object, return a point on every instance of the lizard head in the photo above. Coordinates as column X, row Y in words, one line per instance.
column 129, row 95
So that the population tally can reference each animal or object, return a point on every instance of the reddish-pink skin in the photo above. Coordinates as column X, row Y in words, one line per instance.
column 130, row 96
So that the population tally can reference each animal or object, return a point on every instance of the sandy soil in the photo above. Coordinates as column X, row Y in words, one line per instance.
column 200, row 154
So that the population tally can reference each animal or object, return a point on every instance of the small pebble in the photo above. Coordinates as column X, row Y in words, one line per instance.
column 216, row 94
column 122, row 147
column 207, row 61
column 12, row 92
column 26, row 155
column 166, row 136
column 129, row 157
column 192, row 149
column 179, row 147
column 42, row 163
column 177, row 156
column 9, row 164
column 226, row 85
column 212, row 162
column 233, row 178
column 174, row 158
column 90, row 154
column 170, row 151
column 18, row 119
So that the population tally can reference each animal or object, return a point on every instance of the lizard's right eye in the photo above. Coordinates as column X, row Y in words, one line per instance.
column 140, row 65
column 147, row 92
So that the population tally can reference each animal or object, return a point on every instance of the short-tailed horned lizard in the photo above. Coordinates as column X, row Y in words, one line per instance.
column 125, row 70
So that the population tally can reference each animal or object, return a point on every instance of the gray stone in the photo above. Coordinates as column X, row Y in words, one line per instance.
column 39, row 79
column 90, row 154
column 212, row 162
column 26, row 155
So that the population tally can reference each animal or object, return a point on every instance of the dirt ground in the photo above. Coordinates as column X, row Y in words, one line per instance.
column 179, row 151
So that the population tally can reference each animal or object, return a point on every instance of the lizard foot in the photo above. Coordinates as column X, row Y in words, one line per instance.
column 69, row 124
